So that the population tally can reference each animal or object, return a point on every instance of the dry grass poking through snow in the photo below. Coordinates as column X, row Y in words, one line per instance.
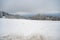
column 37, row 37
column 17, row 37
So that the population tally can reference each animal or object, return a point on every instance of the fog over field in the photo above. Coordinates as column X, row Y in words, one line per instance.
column 13, row 26
column 28, row 27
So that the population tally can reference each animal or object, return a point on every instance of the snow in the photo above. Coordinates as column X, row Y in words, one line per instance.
column 27, row 27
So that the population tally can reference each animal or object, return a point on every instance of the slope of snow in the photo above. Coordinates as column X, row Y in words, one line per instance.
column 27, row 27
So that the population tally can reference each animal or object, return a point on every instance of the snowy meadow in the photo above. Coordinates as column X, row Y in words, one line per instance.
column 23, row 29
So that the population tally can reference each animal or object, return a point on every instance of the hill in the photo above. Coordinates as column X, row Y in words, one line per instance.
column 30, row 16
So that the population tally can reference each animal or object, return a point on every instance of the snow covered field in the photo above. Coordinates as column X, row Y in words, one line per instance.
column 28, row 27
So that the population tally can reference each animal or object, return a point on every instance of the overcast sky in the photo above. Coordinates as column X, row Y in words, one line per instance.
column 37, row 6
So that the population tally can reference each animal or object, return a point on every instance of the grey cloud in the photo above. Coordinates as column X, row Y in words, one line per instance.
column 29, row 5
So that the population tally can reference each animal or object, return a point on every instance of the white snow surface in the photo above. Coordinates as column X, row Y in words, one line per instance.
column 28, row 27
